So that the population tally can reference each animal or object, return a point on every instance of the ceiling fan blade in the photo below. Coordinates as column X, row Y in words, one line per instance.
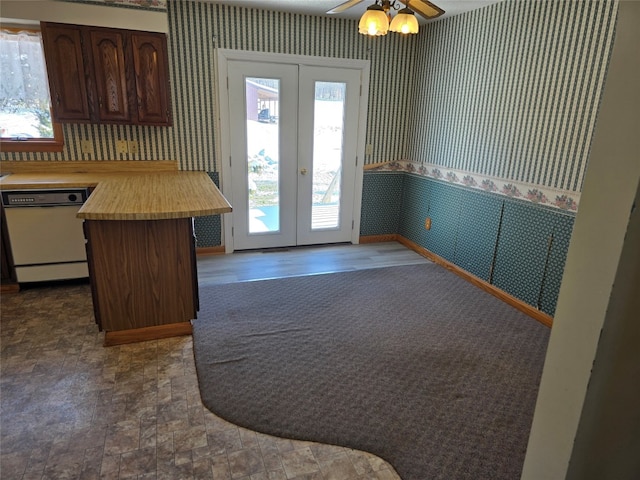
column 344, row 6
column 424, row 7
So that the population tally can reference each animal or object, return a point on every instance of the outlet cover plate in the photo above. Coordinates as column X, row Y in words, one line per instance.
column 86, row 147
column 122, row 146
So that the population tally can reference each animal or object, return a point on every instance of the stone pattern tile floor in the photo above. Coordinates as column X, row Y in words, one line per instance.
column 73, row 409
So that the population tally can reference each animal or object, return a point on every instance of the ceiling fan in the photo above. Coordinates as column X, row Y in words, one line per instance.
column 423, row 7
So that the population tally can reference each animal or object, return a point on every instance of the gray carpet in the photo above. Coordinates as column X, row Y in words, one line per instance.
column 410, row 363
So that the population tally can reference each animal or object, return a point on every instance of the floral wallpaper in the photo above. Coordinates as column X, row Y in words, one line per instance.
column 538, row 194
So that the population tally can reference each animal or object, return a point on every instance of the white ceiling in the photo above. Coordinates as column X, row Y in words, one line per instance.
column 320, row 7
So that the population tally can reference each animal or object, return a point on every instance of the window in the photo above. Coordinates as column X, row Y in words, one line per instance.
column 26, row 124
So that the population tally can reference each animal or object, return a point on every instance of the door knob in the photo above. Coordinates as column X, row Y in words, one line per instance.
column 303, row 171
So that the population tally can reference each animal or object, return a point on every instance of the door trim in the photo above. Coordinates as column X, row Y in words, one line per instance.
column 224, row 151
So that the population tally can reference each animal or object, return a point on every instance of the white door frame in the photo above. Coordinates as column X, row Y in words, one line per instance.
column 223, row 57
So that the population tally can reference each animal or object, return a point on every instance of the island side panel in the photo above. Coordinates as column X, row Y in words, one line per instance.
column 142, row 272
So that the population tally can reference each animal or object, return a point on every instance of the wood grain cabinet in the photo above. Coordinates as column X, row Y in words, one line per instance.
column 150, row 67
column 67, row 71
column 107, row 48
column 107, row 75
column 143, row 277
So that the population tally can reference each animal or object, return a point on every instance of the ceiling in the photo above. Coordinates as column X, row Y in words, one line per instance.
column 320, row 7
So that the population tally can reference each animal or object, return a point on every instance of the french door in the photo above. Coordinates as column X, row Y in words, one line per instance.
column 294, row 133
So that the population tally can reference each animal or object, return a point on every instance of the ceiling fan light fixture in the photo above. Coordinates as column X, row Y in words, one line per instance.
column 374, row 21
column 404, row 22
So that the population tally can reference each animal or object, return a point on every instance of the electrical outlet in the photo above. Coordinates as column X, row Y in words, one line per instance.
column 368, row 149
column 427, row 223
column 86, row 147
column 133, row 147
column 122, row 146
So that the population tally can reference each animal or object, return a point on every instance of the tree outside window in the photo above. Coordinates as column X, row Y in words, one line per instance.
column 25, row 103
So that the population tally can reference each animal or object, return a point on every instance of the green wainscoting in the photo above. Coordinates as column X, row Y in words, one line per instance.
column 381, row 203
column 555, row 264
column 208, row 230
column 523, row 245
column 415, row 209
column 444, row 211
column 478, row 227
column 520, row 247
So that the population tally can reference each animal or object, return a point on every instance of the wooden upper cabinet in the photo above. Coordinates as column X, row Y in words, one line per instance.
column 110, row 71
column 66, row 71
column 151, row 74
column 107, row 75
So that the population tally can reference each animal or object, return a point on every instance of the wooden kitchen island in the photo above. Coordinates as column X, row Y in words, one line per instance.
column 141, row 252
column 138, row 224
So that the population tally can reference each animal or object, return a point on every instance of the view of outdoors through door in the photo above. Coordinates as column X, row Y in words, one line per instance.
column 328, row 127
column 293, row 137
column 262, row 100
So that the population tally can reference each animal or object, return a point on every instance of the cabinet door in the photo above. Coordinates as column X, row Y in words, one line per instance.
column 152, row 78
column 107, row 47
column 66, row 72
column 142, row 272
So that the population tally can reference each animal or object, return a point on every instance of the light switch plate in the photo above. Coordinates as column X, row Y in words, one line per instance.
column 133, row 147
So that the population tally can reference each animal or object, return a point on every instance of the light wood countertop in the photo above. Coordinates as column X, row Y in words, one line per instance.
column 35, row 180
column 128, row 193
column 155, row 196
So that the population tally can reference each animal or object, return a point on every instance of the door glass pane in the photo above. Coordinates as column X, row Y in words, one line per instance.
column 328, row 126
column 262, row 100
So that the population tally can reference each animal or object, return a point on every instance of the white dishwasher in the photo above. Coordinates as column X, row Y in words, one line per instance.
column 46, row 237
